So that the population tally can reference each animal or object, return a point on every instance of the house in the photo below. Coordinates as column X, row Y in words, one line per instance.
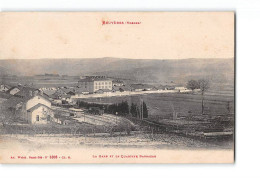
column 66, row 99
column 35, row 109
column 62, row 95
column 22, row 91
column 4, row 88
column 13, row 90
column 182, row 89
column 58, row 93
column 39, row 114
column 27, row 91
column 81, row 90
column 94, row 83
column 48, row 91
column 118, row 83
column 121, row 88
column 68, row 90
column 169, row 87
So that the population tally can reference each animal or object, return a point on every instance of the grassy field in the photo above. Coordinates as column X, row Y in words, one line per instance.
column 164, row 104
column 39, row 82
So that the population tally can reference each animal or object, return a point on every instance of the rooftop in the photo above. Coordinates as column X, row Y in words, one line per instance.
column 36, row 107
column 14, row 100
column 94, row 78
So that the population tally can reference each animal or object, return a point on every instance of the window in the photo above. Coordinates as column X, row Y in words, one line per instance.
column 37, row 118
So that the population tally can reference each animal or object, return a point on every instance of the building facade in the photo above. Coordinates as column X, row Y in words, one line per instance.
column 40, row 114
column 13, row 90
column 95, row 83
column 37, row 110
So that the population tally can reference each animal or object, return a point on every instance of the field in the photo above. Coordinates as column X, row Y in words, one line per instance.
column 165, row 104
column 39, row 82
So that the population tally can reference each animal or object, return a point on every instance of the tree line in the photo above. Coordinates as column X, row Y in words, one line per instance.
column 121, row 109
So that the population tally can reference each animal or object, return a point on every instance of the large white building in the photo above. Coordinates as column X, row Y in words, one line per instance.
column 95, row 83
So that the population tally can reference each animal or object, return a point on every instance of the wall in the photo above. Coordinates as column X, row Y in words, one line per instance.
column 106, row 84
column 42, row 111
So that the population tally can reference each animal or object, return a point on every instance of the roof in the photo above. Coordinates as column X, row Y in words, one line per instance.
column 43, row 96
column 55, row 95
column 14, row 100
column 49, row 92
column 25, row 91
column 36, row 107
column 7, row 86
column 8, row 91
column 118, row 81
column 58, row 93
column 65, row 96
column 80, row 89
column 67, row 90
column 94, row 79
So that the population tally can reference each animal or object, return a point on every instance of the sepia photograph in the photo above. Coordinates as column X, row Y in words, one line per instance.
column 117, row 87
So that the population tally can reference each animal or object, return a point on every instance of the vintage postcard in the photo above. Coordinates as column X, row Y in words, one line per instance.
column 117, row 87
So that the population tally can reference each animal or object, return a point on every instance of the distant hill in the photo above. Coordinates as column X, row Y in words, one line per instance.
column 141, row 70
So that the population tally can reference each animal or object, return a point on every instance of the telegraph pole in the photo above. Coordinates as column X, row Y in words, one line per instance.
column 141, row 109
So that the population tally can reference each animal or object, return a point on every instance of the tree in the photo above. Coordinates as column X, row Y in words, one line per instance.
column 133, row 110
column 124, row 108
column 204, row 86
column 193, row 84
column 145, row 110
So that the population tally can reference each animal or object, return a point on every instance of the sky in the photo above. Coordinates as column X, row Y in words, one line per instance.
column 160, row 35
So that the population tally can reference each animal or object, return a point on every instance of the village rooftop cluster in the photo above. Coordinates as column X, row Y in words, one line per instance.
column 39, row 106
